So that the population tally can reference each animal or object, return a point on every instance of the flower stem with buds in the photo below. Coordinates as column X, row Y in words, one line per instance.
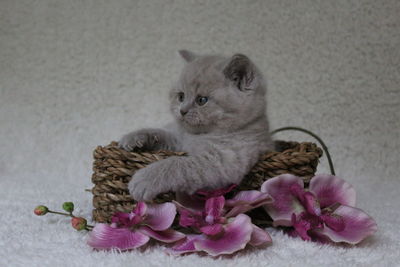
column 78, row 223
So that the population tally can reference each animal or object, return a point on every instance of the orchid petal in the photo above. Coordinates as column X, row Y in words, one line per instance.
column 160, row 216
column 301, row 227
column 285, row 203
column 238, row 210
column 259, row 237
column 125, row 219
column 252, row 197
column 245, row 201
column 128, row 219
column 334, row 222
column 298, row 191
column 311, row 204
column 330, row 189
column 248, row 197
column 140, row 209
column 212, row 229
column 188, row 217
column 237, row 234
column 358, row 225
column 167, row 236
column 316, row 236
column 213, row 209
column 305, row 222
column 192, row 202
column 104, row 236
column 184, row 246
column 206, row 194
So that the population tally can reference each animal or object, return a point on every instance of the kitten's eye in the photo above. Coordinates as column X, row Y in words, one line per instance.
column 201, row 100
column 181, row 97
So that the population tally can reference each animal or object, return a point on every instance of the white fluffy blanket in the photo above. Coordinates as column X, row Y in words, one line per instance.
column 76, row 74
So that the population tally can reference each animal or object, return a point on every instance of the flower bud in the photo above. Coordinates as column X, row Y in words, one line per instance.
column 68, row 206
column 79, row 223
column 40, row 210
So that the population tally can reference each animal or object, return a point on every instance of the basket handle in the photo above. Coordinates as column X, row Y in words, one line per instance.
column 292, row 128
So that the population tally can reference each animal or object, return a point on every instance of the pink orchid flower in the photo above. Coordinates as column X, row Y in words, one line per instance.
column 197, row 200
column 134, row 229
column 222, row 227
column 205, row 194
column 323, row 212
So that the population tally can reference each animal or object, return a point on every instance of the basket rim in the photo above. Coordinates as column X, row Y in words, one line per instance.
column 114, row 149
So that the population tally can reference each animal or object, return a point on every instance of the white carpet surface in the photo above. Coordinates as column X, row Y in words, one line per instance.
column 75, row 74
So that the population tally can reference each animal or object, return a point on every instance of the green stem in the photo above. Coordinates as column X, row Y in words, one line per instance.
column 89, row 227
column 60, row 213
column 324, row 147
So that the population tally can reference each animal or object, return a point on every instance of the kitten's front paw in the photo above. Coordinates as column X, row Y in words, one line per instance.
column 144, row 186
column 138, row 139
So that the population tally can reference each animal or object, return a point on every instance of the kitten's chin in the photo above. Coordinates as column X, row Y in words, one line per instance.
column 193, row 128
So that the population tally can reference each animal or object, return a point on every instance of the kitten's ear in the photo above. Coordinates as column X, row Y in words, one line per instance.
column 187, row 55
column 241, row 71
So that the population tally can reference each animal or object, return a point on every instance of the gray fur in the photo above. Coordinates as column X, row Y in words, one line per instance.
column 223, row 138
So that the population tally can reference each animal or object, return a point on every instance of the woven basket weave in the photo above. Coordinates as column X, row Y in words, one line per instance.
column 113, row 168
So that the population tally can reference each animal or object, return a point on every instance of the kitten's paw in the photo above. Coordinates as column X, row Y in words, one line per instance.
column 144, row 186
column 140, row 140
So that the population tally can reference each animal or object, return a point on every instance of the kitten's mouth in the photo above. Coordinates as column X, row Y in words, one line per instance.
column 191, row 121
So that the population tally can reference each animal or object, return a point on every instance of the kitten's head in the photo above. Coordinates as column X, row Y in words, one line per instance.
column 215, row 93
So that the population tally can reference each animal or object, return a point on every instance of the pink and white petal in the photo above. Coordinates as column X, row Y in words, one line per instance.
column 259, row 237
column 140, row 209
column 184, row 246
column 301, row 226
column 167, row 236
column 245, row 201
column 243, row 208
column 213, row 208
column 334, row 222
column 311, row 204
column 253, row 197
column 104, row 236
column 358, row 225
column 285, row 203
column 330, row 189
column 123, row 219
column 160, row 216
column 189, row 217
column 237, row 234
column 211, row 230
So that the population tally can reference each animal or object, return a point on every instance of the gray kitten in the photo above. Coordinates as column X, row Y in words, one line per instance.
column 219, row 108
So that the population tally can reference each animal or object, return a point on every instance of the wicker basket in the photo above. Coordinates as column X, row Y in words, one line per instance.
column 113, row 168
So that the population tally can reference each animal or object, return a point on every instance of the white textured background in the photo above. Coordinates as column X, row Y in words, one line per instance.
column 76, row 74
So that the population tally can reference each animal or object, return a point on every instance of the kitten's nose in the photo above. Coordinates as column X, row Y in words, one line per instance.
column 183, row 112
